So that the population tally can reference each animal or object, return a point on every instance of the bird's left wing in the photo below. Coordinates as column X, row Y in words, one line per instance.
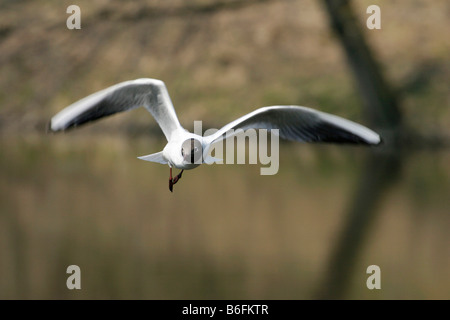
column 300, row 124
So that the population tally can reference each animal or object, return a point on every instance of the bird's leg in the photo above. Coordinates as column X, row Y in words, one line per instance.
column 170, row 180
column 178, row 177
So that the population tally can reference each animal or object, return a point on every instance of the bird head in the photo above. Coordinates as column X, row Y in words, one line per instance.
column 191, row 151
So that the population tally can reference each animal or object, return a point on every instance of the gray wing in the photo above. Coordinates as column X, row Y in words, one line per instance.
column 150, row 93
column 301, row 124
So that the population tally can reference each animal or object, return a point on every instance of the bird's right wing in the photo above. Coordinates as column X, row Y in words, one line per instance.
column 150, row 93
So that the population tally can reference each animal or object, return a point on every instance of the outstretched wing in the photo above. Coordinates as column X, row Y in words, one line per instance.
column 150, row 93
column 300, row 124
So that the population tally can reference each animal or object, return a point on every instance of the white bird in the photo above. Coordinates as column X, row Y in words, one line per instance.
column 183, row 149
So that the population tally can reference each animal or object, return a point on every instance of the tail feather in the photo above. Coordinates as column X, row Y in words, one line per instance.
column 154, row 157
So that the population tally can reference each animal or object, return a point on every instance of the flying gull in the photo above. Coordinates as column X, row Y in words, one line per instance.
column 183, row 148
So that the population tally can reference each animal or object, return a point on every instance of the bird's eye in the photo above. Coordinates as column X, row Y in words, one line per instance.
column 182, row 152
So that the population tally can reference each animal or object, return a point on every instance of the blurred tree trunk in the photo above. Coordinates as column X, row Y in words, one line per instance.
column 381, row 103
column 379, row 174
column 382, row 169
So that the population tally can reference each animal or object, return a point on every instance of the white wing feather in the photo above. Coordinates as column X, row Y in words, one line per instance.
column 128, row 95
column 301, row 124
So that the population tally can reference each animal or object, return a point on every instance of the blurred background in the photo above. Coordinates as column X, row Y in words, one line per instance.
column 226, row 232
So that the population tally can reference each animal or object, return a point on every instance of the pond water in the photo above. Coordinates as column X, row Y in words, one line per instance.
column 227, row 232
